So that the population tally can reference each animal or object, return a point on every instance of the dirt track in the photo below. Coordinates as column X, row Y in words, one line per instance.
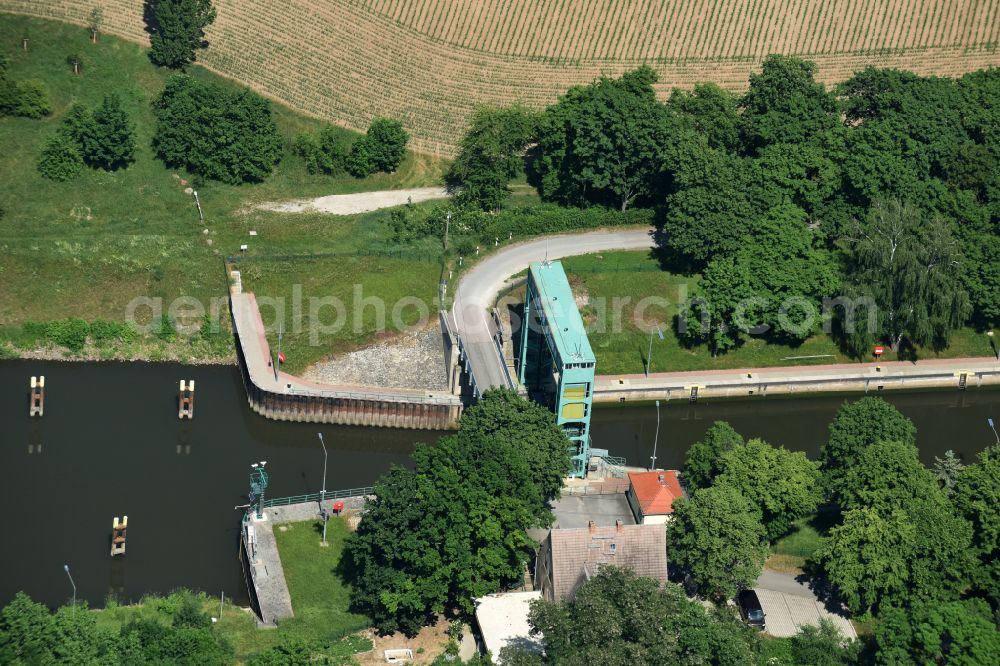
column 352, row 204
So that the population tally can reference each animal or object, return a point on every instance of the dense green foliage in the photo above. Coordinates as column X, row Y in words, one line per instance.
column 782, row 196
column 28, row 98
column 490, row 155
column 958, row 633
column 218, row 133
column 717, row 539
column 702, row 461
column 783, row 485
column 977, row 496
column 30, row 634
column 176, row 30
column 382, row 148
column 453, row 528
column 619, row 619
column 108, row 139
column 858, row 425
column 60, row 159
column 325, row 152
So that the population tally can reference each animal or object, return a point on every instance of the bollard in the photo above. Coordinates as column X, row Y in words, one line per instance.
column 185, row 400
column 37, row 396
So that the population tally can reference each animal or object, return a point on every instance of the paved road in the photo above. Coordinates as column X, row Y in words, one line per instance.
column 788, row 605
column 479, row 287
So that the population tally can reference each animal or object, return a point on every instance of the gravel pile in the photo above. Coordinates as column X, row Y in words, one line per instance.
column 410, row 360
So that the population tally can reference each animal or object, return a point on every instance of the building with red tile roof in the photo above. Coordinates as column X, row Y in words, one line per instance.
column 651, row 495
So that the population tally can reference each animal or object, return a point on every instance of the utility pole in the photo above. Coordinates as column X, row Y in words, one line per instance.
column 447, row 224
column 277, row 358
column 993, row 428
column 649, row 353
column 656, row 438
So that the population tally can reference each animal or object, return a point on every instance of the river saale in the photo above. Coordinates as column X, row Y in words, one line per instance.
column 110, row 444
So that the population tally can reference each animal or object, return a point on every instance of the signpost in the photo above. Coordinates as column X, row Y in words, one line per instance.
column 879, row 351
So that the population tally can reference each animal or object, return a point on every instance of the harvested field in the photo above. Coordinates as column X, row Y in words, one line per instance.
column 428, row 62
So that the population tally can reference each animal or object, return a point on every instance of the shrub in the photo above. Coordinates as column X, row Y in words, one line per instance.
column 32, row 99
column 103, row 331
column 326, row 153
column 60, row 159
column 359, row 162
column 68, row 333
column 166, row 329
column 386, row 144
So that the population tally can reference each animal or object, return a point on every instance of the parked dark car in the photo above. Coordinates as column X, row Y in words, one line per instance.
column 750, row 609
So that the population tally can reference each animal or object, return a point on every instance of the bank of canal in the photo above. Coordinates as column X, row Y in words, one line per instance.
column 110, row 443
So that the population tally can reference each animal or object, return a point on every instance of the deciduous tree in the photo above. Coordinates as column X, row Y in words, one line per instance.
column 177, row 30
column 959, row 633
column 703, row 460
column 717, row 538
column 977, row 496
column 784, row 485
column 858, row 425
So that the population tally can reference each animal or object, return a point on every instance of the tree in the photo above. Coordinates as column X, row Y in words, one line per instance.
column 26, row 631
column 857, row 426
column 31, row 99
column 325, row 153
column 602, row 143
column 60, row 159
column 887, row 474
column 176, row 30
column 717, row 539
column 948, row 470
column 225, row 135
column 958, row 633
column 618, row 619
column 784, row 485
column 703, row 459
column 490, row 154
column 823, row 645
column 785, row 104
column 977, row 497
column 386, row 141
column 359, row 162
column 94, row 20
column 886, row 556
column 75, row 61
column 108, row 140
column 711, row 111
column 909, row 268
column 453, row 528
column 770, row 286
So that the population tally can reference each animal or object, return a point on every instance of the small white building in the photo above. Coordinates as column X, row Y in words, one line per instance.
column 503, row 620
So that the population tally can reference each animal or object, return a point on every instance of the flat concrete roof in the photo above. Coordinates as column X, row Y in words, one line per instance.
column 573, row 511
column 503, row 620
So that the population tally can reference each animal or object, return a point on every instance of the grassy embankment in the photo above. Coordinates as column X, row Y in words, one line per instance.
column 637, row 275
column 87, row 247
column 319, row 599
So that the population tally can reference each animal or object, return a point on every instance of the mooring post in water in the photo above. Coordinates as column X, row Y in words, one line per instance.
column 37, row 396
column 185, row 400
column 118, row 528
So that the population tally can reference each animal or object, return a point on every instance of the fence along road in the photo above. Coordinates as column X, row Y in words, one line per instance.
column 478, row 289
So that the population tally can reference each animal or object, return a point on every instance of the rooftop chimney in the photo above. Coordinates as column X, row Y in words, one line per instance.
column 618, row 525
column 591, row 526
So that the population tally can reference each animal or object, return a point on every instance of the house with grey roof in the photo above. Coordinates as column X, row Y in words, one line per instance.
column 568, row 558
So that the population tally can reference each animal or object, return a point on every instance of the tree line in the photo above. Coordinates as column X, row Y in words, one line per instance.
column 788, row 192
column 911, row 548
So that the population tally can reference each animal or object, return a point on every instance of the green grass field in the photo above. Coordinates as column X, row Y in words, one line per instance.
column 622, row 349
column 87, row 247
column 319, row 599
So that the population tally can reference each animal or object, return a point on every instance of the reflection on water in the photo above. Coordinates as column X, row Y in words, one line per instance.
column 111, row 444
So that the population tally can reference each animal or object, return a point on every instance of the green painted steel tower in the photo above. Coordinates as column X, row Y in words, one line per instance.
column 258, row 486
column 557, row 363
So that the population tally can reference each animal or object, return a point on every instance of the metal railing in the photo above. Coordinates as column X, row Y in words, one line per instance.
column 315, row 497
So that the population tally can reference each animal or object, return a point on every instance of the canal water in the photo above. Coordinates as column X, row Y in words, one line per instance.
column 110, row 444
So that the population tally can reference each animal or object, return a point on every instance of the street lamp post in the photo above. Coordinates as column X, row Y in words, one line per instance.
column 656, row 438
column 322, row 492
column 649, row 353
column 993, row 428
column 277, row 358
column 71, row 582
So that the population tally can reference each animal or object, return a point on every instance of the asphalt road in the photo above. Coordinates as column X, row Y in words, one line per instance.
column 478, row 289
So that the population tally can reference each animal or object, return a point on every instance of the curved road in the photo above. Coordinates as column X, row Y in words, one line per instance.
column 478, row 289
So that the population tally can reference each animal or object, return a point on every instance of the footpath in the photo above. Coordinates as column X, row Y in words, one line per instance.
column 957, row 373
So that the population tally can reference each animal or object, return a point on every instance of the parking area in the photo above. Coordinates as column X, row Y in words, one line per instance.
column 785, row 612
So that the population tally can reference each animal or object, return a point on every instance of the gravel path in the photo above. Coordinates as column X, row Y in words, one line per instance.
column 351, row 204
column 410, row 360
